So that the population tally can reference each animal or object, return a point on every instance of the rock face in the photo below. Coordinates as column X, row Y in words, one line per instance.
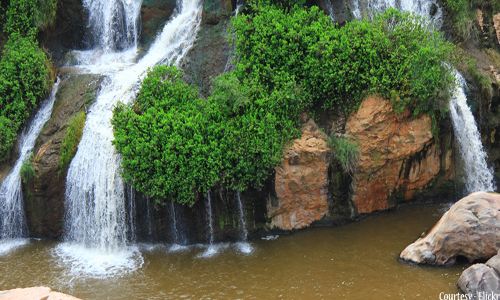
column 34, row 293
column 468, row 229
column 481, row 279
column 44, row 195
column 397, row 153
column 302, row 181
column 154, row 15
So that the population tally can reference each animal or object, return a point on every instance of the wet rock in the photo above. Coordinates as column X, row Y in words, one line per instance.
column 302, row 181
column 481, row 279
column 468, row 229
column 154, row 15
column 397, row 154
column 208, row 56
column 34, row 293
column 44, row 195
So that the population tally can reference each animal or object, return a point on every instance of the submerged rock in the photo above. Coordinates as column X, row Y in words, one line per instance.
column 468, row 229
column 34, row 293
column 481, row 278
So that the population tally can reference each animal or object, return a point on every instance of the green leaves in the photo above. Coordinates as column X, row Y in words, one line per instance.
column 24, row 80
column 177, row 146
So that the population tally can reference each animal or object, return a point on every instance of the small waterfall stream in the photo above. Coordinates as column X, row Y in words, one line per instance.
column 243, row 246
column 212, row 249
column 95, row 192
column 477, row 175
column 12, row 217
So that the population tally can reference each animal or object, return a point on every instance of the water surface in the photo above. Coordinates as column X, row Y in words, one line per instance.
column 356, row 261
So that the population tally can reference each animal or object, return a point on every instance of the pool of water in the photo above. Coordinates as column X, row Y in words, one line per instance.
column 356, row 261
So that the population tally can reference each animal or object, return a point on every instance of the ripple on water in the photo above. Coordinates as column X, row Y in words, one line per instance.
column 80, row 261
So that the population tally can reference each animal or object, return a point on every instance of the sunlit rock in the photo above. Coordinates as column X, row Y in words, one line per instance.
column 468, row 229
column 34, row 293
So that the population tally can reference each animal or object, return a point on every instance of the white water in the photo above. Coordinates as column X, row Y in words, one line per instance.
column 95, row 201
column 477, row 175
column 422, row 8
column 12, row 218
column 211, row 249
column 244, row 246
column 174, row 223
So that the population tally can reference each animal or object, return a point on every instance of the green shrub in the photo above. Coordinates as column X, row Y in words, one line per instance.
column 177, row 146
column 395, row 55
column 70, row 143
column 27, row 171
column 27, row 16
column 24, row 81
column 345, row 152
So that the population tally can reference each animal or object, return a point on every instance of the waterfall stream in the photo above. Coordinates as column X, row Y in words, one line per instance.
column 477, row 175
column 95, row 192
column 12, row 218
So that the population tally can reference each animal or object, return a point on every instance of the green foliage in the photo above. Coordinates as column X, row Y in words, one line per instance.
column 27, row 171
column 27, row 16
column 396, row 56
column 463, row 14
column 24, row 80
column 177, row 146
column 346, row 153
column 71, row 141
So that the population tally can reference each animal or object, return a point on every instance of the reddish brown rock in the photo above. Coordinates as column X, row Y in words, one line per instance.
column 34, row 293
column 302, row 181
column 468, row 229
column 386, row 142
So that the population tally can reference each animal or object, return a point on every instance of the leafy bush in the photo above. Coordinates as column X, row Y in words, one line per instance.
column 346, row 152
column 27, row 16
column 24, row 80
column 71, row 141
column 27, row 171
column 395, row 55
column 178, row 146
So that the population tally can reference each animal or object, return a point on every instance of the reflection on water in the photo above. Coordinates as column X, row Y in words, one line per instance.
column 357, row 261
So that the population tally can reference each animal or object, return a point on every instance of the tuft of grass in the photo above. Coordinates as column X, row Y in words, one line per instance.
column 346, row 152
column 27, row 171
column 71, row 141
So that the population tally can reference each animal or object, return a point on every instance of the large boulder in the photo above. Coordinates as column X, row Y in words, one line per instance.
column 34, row 293
column 481, row 279
column 468, row 229
column 398, row 155
column 302, row 181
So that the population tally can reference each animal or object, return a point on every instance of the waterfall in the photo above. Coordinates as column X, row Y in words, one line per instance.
column 114, row 24
column 244, row 231
column 12, row 217
column 428, row 9
column 477, row 175
column 212, row 249
column 243, row 246
column 174, row 223
column 95, row 200
column 209, row 220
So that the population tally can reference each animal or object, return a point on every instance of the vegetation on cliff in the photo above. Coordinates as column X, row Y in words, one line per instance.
column 25, row 69
column 178, row 146
column 71, row 141
column 464, row 15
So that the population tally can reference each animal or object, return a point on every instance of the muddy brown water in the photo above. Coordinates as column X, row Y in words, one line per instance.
column 356, row 261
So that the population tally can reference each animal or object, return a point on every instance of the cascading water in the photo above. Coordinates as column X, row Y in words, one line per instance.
column 428, row 9
column 477, row 175
column 96, row 212
column 12, row 218
column 243, row 246
column 211, row 250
